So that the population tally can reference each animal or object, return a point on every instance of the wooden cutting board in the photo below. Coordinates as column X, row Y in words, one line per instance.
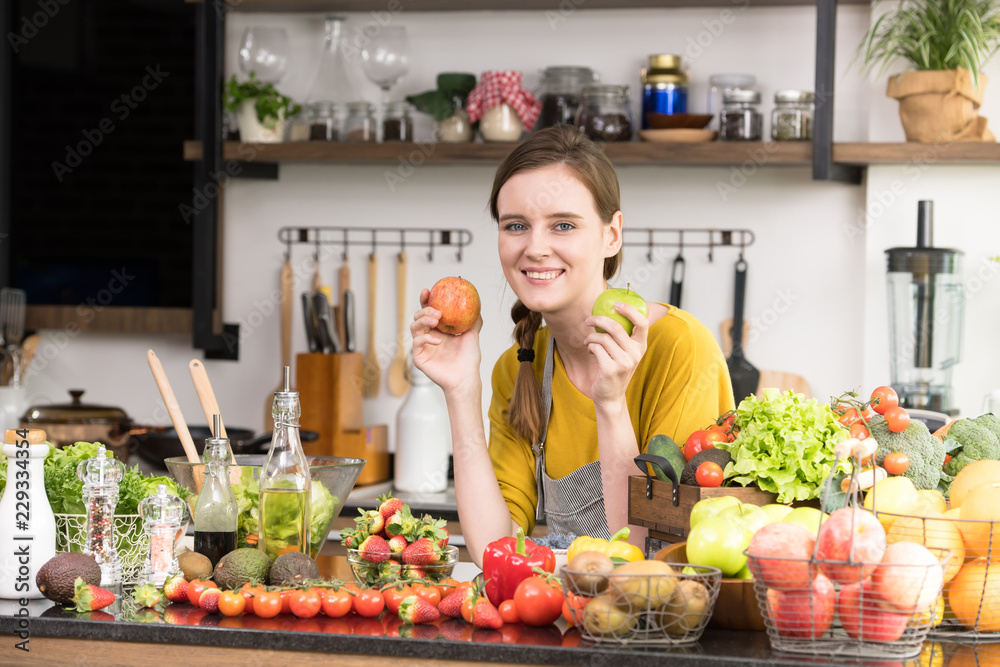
column 778, row 379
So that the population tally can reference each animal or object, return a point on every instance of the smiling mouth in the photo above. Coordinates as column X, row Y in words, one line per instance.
column 542, row 275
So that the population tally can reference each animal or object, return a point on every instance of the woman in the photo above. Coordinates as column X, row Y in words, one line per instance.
column 571, row 407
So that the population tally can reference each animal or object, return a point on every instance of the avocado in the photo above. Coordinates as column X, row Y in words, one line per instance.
column 240, row 566
column 720, row 456
column 57, row 577
column 195, row 565
column 292, row 568
column 662, row 445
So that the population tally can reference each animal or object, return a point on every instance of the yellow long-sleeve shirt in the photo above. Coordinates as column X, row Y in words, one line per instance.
column 680, row 385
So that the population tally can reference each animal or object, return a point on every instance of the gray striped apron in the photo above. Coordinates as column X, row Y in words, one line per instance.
column 575, row 503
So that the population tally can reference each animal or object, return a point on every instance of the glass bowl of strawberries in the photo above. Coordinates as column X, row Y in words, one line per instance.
column 372, row 564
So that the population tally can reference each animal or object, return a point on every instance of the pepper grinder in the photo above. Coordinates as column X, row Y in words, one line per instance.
column 162, row 515
column 101, row 476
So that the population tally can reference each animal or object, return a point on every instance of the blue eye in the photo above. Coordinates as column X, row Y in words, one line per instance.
column 514, row 227
column 564, row 226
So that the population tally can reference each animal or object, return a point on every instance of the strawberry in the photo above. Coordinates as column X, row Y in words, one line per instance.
column 452, row 628
column 176, row 589
column 209, row 600
column 176, row 614
column 98, row 616
column 389, row 506
column 414, row 609
column 485, row 615
column 451, row 604
column 397, row 543
column 353, row 537
column 374, row 549
column 442, row 542
column 91, row 598
column 421, row 552
column 147, row 595
column 375, row 521
column 415, row 571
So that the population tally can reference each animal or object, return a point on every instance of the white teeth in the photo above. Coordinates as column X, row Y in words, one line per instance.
column 548, row 275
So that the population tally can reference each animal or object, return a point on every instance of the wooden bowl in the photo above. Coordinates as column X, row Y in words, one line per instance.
column 678, row 121
column 677, row 136
column 736, row 608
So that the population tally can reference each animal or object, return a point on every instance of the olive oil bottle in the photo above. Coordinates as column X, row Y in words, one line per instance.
column 284, row 481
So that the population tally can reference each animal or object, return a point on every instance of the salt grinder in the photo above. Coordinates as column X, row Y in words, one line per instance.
column 162, row 515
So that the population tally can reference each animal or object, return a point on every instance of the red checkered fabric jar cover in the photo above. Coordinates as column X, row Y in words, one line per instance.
column 495, row 88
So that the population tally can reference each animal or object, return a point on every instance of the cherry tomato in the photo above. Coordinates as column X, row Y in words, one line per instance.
column 729, row 420
column 428, row 592
column 709, row 474
column 896, row 463
column 337, row 603
column 369, row 603
column 369, row 627
column 393, row 595
column 538, row 602
column 573, row 607
column 196, row 587
column 897, row 419
column 305, row 604
column 267, row 604
column 447, row 586
column 859, row 430
column 286, row 600
column 867, row 414
column 847, row 415
column 232, row 603
column 884, row 398
column 696, row 442
column 508, row 612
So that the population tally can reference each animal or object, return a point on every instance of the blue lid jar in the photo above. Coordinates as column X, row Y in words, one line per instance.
column 664, row 86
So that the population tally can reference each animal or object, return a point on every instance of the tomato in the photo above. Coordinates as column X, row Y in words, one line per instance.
column 250, row 591
column 716, row 434
column 428, row 592
column 394, row 594
column 369, row 603
column 947, row 457
column 196, row 587
column 447, row 586
column 337, row 603
column 896, row 463
column 859, row 430
column 696, row 442
column 847, row 415
column 897, row 419
column 232, row 603
column 267, row 604
column 508, row 612
column 573, row 606
column 729, row 420
column 709, row 474
column 369, row 627
column 538, row 602
column 305, row 604
column 884, row 398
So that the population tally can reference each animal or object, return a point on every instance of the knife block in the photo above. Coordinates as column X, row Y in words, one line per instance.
column 329, row 388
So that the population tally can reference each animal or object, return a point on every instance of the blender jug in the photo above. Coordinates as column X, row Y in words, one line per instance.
column 926, row 311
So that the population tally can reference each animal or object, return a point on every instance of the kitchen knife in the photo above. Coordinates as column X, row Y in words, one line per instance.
column 324, row 324
column 310, row 323
column 349, row 333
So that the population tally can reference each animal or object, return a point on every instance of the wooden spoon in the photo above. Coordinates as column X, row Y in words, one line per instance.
column 287, row 287
column 206, row 396
column 343, row 284
column 372, row 374
column 399, row 382
column 173, row 408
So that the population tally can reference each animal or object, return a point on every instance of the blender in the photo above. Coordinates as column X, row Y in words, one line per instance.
column 926, row 311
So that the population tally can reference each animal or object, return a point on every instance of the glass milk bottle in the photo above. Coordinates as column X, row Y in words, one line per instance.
column 28, row 532
column 423, row 435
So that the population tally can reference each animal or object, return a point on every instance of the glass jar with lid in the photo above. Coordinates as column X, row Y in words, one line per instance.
column 300, row 125
column 397, row 125
column 664, row 86
column 605, row 113
column 560, row 94
column 740, row 118
column 718, row 84
column 360, row 123
column 324, row 122
column 792, row 117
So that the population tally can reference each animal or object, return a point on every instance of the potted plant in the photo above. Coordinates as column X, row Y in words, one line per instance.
column 946, row 42
column 261, row 110
column 446, row 105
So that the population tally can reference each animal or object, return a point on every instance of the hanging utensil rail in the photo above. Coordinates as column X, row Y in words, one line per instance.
column 373, row 237
column 687, row 238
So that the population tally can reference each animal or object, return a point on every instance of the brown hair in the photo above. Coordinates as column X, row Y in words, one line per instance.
column 566, row 145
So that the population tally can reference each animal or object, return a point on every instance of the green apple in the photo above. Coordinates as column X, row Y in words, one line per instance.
column 745, row 573
column 719, row 542
column 751, row 516
column 807, row 517
column 605, row 305
column 776, row 511
column 709, row 507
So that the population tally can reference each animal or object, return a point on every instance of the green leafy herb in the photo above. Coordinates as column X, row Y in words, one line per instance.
column 785, row 445
column 452, row 90
column 271, row 105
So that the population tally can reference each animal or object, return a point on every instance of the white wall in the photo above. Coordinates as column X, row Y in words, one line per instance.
column 813, row 289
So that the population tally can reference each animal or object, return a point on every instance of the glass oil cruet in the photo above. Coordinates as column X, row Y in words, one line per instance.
column 216, row 512
column 285, row 483
column 101, row 476
column 162, row 515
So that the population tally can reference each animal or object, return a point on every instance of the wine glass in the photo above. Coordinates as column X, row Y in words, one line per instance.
column 264, row 51
column 386, row 58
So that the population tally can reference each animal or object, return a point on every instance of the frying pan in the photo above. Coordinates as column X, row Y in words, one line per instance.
column 160, row 442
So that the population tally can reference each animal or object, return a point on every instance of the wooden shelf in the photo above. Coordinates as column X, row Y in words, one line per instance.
column 122, row 319
column 972, row 153
column 283, row 6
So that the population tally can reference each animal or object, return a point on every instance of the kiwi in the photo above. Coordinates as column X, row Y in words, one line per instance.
column 587, row 574
column 686, row 609
column 195, row 565
column 604, row 618
column 643, row 592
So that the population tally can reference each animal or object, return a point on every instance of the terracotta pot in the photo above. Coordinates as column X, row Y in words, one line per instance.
column 940, row 106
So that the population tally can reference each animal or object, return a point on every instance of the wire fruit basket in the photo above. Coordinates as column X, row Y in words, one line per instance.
column 668, row 608
column 131, row 541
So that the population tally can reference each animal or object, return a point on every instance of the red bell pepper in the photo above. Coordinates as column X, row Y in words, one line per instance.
column 508, row 561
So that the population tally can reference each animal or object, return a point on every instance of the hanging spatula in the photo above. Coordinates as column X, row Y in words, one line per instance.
column 744, row 375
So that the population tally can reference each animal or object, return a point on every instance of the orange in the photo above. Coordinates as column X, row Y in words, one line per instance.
column 980, row 520
column 973, row 655
column 934, row 532
column 974, row 596
column 971, row 476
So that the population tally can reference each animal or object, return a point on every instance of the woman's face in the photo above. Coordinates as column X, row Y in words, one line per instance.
column 552, row 242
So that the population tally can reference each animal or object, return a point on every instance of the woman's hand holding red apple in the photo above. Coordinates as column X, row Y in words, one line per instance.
column 617, row 353
column 450, row 361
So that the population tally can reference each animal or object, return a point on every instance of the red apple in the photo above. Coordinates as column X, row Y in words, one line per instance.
column 850, row 545
column 458, row 302
column 779, row 555
column 864, row 618
column 806, row 613
column 909, row 579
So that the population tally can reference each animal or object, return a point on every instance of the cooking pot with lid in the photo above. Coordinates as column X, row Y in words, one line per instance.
column 76, row 421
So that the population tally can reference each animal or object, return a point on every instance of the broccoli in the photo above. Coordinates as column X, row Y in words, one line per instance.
column 926, row 452
column 971, row 440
